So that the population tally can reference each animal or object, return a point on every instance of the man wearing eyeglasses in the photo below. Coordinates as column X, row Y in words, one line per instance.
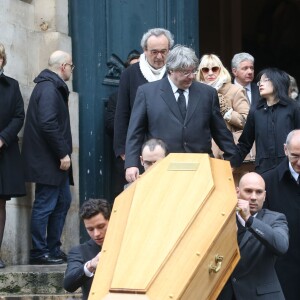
column 183, row 113
column 46, row 152
column 283, row 195
column 156, row 44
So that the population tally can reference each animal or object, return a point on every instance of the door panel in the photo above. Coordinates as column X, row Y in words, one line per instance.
column 99, row 29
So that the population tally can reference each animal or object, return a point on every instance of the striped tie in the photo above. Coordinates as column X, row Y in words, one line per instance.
column 246, row 92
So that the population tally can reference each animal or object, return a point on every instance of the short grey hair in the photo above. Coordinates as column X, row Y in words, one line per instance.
column 290, row 136
column 240, row 57
column 157, row 32
column 3, row 55
column 181, row 57
column 57, row 58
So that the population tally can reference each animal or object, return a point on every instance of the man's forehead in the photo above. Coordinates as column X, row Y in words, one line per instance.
column 157, row 40
column 245, row 63
column 252, row 181
column 295, row 141
column 98, row 217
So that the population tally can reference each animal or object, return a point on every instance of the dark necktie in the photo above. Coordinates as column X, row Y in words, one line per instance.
column 181, row 103
column 246, row 92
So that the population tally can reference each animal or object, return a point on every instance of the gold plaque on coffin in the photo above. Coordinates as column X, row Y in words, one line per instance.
column 172, row 233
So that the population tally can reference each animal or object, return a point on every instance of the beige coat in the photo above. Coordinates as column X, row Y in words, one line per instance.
column 235, row 98
column 232, row 96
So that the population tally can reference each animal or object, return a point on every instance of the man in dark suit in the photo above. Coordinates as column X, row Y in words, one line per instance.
column 283, row 195
column 183, row 113
column 242, row 67
column 262, row 236
column 83, row 259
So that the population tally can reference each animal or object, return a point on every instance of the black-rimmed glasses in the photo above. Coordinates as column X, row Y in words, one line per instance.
column 71, row 65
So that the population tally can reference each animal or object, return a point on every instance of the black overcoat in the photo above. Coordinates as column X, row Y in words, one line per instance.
column 283, row 195
column 131, row 79
column 47, row 132
column 12, row 182
column 268, row 126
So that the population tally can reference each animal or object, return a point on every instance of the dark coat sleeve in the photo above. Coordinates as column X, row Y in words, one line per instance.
column 49, row 108
column 131, row 79
column 274, row 236
column 74, row 275
column 137, row 129
column 246, row 139
column 9, row 133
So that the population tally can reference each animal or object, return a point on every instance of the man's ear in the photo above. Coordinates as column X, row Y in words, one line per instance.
column 285, row 149
column 237, row 190
column 233, row 71
column 142, row 161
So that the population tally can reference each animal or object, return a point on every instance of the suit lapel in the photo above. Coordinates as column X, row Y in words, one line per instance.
column 245, row 239
column 169, row 98
column 248, row 234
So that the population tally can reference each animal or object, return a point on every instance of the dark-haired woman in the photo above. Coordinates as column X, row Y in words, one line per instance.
column 11, row 121
column 270, row 122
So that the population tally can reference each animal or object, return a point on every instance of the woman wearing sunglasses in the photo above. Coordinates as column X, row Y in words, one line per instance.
column 270, row 121
column 232, row 98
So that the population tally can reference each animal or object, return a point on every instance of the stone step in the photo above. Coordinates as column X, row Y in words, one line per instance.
column 42, row 297
column 34, row 282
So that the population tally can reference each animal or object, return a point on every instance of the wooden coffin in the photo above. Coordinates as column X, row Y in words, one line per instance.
column 172, row 233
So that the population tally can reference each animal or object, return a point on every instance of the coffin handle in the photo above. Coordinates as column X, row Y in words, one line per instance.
column 218, row 264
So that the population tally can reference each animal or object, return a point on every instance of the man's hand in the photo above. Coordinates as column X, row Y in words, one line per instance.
column 132, row 174
column 245, row 209
column 93, row 263
column 1, row 143
column 65, row 163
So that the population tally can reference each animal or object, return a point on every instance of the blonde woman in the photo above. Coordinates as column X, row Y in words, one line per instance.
column 232, row 98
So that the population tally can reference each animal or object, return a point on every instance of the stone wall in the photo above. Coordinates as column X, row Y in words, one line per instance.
column 30, row 31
